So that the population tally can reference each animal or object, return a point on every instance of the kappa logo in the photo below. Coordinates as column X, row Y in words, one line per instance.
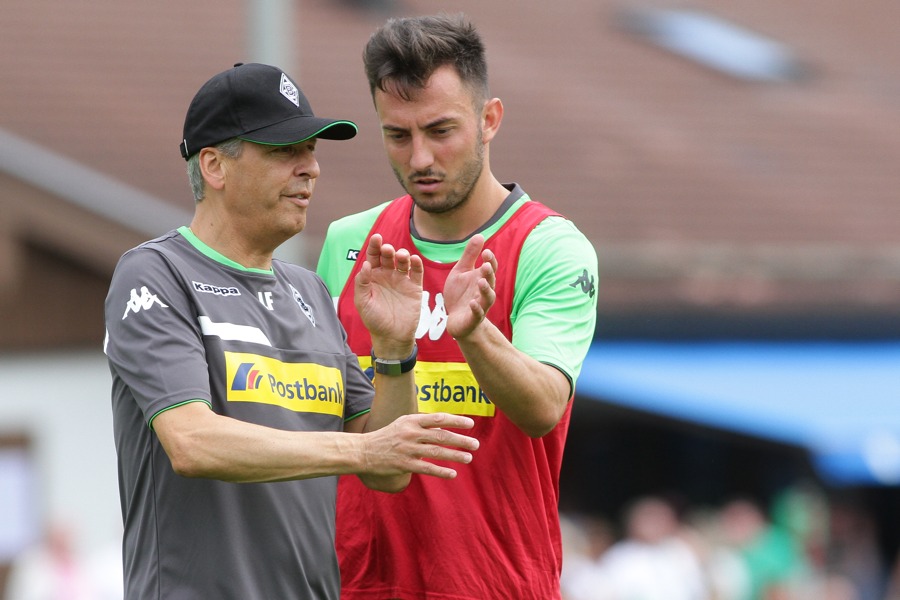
column 143, row 302
column 586, row 282
column 432, row 322
column 207, row 288
column 307, row 310
column 289, row 90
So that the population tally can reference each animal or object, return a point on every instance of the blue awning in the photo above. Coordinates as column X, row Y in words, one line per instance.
column 841, row 401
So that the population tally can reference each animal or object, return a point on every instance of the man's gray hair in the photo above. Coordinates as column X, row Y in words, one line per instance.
column 231, row 148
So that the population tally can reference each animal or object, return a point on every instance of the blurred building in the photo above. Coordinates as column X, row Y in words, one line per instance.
column 717, row 199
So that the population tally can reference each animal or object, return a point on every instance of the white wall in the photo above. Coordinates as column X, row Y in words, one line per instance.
column 61, row 400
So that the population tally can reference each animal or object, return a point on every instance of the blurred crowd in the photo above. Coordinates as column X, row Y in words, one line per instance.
column 801, row 547
column 53, row 568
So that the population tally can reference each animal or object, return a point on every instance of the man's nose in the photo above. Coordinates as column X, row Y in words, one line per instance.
column 422, row 157
column 307, row 166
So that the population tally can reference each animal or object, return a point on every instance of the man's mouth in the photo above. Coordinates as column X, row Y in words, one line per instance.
column 301, row 199
column 426, row 184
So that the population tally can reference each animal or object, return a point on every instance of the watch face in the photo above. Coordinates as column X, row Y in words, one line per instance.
column 395, row 367
column 387, row 368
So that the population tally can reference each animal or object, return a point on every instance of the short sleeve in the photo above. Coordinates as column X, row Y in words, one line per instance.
column 555, row 305
column 153, row 341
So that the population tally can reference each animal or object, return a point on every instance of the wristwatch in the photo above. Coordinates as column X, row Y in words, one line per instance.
column 394, row 367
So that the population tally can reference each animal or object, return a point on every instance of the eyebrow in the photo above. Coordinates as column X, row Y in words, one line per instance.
column 437, row 122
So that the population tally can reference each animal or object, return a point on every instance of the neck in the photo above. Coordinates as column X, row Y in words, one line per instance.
column 233, row 243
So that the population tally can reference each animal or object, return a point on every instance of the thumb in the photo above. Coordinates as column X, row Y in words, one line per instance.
column 471, row 252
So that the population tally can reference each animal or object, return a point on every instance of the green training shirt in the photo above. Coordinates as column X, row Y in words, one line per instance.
column 550, row 324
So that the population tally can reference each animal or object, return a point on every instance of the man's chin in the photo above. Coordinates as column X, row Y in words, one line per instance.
column 293, row 229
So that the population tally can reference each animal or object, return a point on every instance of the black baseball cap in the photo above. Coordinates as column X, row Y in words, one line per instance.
column 257, row 103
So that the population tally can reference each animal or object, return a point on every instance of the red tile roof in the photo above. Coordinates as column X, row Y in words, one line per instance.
column 697, row 189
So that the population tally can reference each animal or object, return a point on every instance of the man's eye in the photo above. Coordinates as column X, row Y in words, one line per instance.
column 441, row 132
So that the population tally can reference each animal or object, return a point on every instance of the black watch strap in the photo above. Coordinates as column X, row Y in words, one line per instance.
column 395, row 367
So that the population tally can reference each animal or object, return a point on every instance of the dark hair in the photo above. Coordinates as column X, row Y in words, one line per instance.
column 403, row 54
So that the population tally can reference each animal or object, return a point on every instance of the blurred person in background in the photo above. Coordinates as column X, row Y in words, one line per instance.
column 893, row 584
column 782, row 554
column 586, row 538
column 497, row 533
column 853, row 551
column 657, row 559
column 54, row 569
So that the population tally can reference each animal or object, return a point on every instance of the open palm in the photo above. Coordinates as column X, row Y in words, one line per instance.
column 388, row 291
column 469, row 291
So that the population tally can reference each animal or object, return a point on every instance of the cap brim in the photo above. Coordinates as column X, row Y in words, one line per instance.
column 299, row 129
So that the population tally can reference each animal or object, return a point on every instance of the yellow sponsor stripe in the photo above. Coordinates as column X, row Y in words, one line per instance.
column 300, row 387
column 447, row 387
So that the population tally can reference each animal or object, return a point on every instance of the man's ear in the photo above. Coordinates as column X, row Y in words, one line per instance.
column 491, row 115
column 213, row 168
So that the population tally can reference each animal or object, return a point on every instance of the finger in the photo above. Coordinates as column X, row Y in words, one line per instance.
column 478, row 311
column 487, row 274
column 424, row 467
column 416, row 269
column 471, row 252
column 445, row 438
column 439, row 453
column 373, row 250
column 446, row 454
column 402, row 260
column 488, row 295
column 439, row 419
column 364, row 277
column 485, row 299
column 489, row 266
column 488, row 256
column 388, row 257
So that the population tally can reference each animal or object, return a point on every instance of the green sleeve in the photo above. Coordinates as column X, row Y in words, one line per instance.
column 555, row 302
column 343, row 239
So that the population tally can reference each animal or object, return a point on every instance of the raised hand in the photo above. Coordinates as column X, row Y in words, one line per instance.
column 388, row 296
column 469, row 291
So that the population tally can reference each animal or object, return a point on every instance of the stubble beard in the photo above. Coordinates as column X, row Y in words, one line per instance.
column 460, row 192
